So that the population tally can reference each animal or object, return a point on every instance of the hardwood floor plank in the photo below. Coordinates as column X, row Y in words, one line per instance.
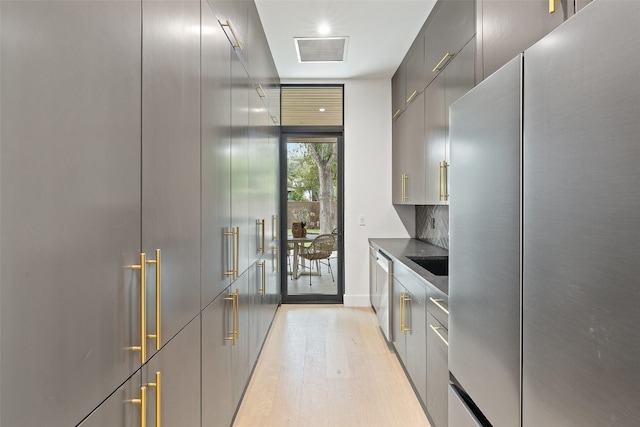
column 328, row 365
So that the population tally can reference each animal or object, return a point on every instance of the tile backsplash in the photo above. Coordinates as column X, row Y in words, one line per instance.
column 432, row 225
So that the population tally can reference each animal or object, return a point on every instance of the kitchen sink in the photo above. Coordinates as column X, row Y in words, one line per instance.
column 436, row 265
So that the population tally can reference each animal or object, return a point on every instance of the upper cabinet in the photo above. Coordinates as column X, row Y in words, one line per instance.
column 397, row 91
column 506, row 28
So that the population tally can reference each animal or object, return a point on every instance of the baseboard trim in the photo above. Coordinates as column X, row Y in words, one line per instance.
column 356, row 301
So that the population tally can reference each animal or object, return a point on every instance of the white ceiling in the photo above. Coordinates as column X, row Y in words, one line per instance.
column 380, row 33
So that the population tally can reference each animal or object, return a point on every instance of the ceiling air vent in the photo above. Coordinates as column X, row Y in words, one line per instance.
column 321, row 49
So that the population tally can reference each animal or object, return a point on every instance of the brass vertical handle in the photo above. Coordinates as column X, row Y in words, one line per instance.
column 260, row 224
column 404, row 187
column 237, row 258
column 275, row 230
column 402, row 313
column 552, row 6
column 396, row 114
column 412, row 96
column 262, row 266
column 143, row 405
column 276, row 254
column 236, row 329
column 237, row 44
column 443, row 180
column 157, row 263
column 157, row 385
column 232, row 333
column 235, row 253
column 142, row 348
column 406, row 300
column 442, row 62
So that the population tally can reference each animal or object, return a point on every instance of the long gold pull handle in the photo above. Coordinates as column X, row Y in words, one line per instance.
column 396, row 114
column 445, row 176
column 404, row 187
column 231, row 234
column 406, row 300
column 260, row 224
column 262, row 266
column 413, row 95
column 402, row 313
column 275, row 222
column 157, row 385
column 442, row 181
column 143, row 405
column 236, row 329
column 438, row 302
column 232, row 333
column 276, row 254
column 552, row 6
column 237, row 254
column 237, row 44
column 437, row 329
column 157, row 263
column 142, row 348
column 260, row 91
column 442, row 62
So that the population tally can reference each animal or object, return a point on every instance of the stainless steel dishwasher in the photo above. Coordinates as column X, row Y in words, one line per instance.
column 384, row 271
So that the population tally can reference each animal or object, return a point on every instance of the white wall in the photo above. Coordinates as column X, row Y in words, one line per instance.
column 367, row 186
column 367, row 180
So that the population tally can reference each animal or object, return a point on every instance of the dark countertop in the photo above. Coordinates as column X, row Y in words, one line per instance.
column 400, row 249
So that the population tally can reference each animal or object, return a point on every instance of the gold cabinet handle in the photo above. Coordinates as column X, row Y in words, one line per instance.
column 275, row 222
column 552, row 6
column 437, row 329
column 157, row 263
column 402, row 313
column 260, row 224
column 438, row 302
column 413, row 95
column 235, row 317
column 442, row 62
column 260, row 91
column 276, row 260
column 236, row 43
column 235, row 253
column 142, row 348
column 158, row 386
column 443, row 180
column 405, row 177
column 396, row 114
column 262, row 266
column 143, row 405
column 406, row 300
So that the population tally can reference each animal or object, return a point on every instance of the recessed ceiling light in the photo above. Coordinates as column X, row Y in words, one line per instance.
column 324, row 29
column 322, row 110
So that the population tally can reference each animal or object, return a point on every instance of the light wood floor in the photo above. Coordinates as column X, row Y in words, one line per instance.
column 327, row 365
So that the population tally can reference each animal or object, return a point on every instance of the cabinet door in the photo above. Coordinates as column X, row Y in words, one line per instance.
column 172, row 378
column 416, row 336
column 452, row 27
column 171, row 161
column 70, row 206
column 216, row 157
column 241, row 362
column 437, row 371
column 413, row 152
column 397, row 309
column 398, row 170
column 398, row 83
column 415, row 70
column 235, row 16
column 510, row 27
column 240, row 162
column 218, row 404
column 119, row 410
column 435, row 128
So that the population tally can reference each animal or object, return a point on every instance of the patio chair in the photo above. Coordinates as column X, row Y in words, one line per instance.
column 320, row 248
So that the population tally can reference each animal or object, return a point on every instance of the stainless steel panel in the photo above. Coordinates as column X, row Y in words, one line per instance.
column 216, row 156
column 70, row 206
column 218, row 404
column 459, row 413
column 581, row 338
column 384, row 278
column 180, row 381
column 484, row 253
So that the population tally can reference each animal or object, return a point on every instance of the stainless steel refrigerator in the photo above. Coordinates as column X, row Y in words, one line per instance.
column 544, row 277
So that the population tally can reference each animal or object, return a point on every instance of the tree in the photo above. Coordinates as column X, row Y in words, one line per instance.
column 324, row 156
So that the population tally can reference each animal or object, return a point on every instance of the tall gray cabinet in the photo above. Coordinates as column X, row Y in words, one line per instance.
column 125, row 169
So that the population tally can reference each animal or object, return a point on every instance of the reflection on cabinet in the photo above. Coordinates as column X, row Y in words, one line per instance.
column 507, row 28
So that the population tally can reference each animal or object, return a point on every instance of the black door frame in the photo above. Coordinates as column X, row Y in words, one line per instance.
column 287, row 132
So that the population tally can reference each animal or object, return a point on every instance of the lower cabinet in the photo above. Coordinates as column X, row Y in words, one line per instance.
column 166, row 391
column 437, row 371
column 410, row 336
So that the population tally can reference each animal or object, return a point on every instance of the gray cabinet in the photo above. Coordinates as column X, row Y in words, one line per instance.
column 457, row 79
column 171, row 163
column 409, row 330
column 398, row 84
column 172, row 379
column 119, row 409
column 416, row 75
column 408, row 171
column 437, row 371
column 507, row 28
column 70, row 206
